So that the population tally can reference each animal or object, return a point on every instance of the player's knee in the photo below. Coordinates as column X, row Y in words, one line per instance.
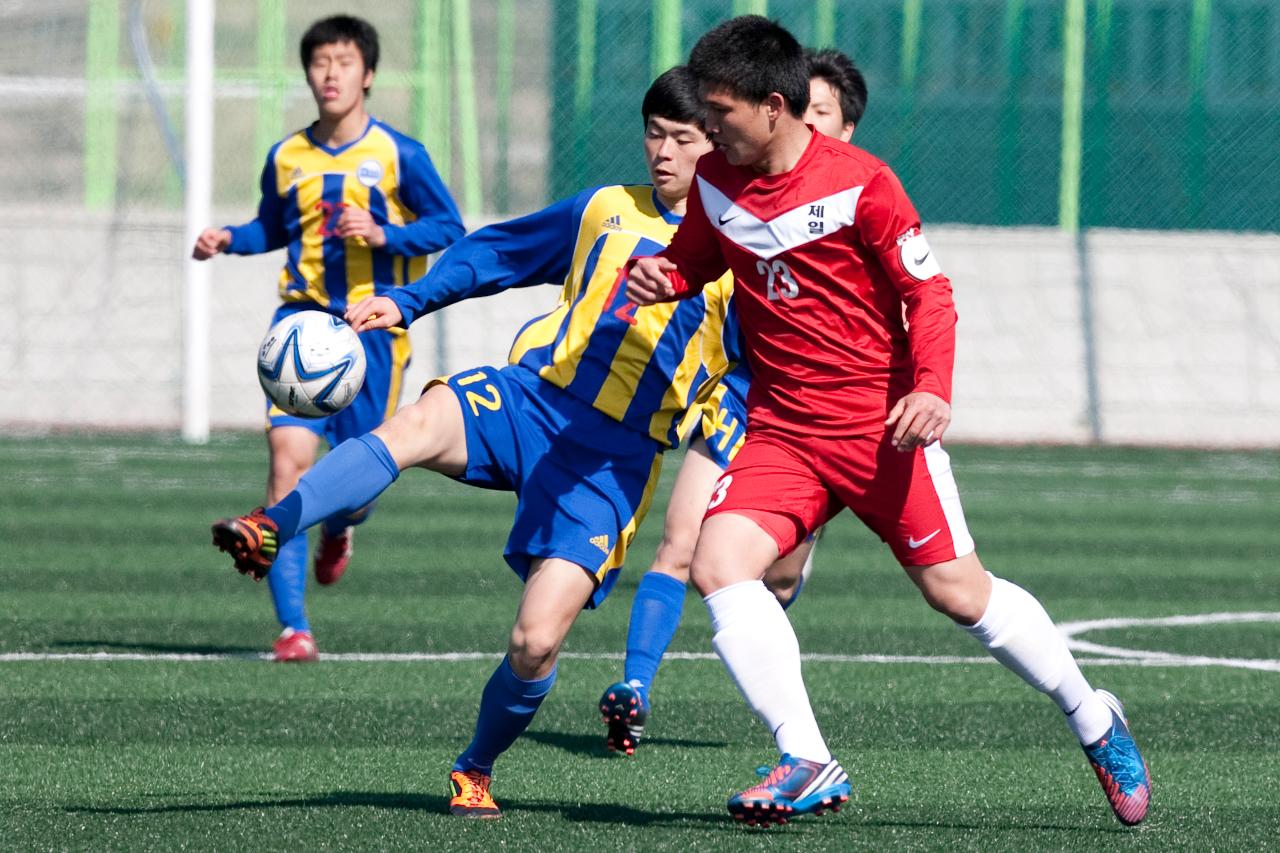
column 783, row 589
column 961, row 603
column 674, row 556
column 532, row 652
column 286, row 470
column 707, row 576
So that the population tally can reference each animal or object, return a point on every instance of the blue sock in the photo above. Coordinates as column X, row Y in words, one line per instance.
column 288, row 581
column 507, row 707
column 348, row 477
column 655, row 616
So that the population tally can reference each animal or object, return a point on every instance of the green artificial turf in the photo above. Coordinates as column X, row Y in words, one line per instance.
column 104, row 547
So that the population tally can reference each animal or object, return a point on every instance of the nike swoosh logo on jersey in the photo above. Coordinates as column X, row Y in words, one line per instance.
column 914, row 543
column 786, row 231
column 920, row 260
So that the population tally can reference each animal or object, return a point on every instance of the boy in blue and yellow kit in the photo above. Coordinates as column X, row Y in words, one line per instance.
column 575, row 425
column 359, row 207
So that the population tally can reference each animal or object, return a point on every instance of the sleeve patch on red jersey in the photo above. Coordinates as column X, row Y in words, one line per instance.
column 918, row 258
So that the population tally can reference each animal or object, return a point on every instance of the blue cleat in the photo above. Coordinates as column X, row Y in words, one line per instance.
column 625, row 712
column 795, row 787
column 1120, row 767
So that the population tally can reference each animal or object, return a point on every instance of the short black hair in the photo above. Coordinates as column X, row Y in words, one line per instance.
column 674, row 96
column 753, row 56
column 841, row 74
column 340, row 28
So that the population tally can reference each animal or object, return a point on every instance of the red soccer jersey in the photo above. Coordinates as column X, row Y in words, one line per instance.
column 824, row 258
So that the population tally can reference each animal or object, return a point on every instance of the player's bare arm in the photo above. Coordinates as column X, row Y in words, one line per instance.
column 373, row 312
column 358, row 222
column 212, row 241
column 648, row 283
column 921, row 418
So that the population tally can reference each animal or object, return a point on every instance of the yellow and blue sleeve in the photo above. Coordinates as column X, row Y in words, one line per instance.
column 531, row 250
column 268, row 230
column 438, row 224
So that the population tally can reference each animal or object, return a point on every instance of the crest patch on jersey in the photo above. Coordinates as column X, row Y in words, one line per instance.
column 917, row 256
column 369, row 173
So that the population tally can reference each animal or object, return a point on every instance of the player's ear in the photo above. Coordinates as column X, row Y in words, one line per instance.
column 846, row 132
column 775, row 104
column 368, row 80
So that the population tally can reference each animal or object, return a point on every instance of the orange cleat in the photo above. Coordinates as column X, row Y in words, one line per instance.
column 252, row 541
column 471, row 797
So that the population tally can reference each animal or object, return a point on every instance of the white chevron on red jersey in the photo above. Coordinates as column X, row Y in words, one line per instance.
column 824, row 257
column 783, row 232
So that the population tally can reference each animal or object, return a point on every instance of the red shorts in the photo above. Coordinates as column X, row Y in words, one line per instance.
column 790, row 489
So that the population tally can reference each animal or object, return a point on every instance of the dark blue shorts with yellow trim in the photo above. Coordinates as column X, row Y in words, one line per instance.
column 386, row 354
column 724, row 422
column 583, row 481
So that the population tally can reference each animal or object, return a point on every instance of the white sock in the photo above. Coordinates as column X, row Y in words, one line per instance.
column 759, row 648
column 1019, row 633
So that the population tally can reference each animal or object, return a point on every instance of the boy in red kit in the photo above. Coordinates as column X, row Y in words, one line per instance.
column 846, row 409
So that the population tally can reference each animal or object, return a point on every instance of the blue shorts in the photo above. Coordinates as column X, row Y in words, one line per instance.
column 724, row 418
column 386, row 353
column 583, row 481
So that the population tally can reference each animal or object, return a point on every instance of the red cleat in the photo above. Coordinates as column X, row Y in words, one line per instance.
column 296, row 647
column 333, row 554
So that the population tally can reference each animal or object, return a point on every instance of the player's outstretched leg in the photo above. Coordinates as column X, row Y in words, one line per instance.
column 1120, row 767
column 347, row 478
column 795, row 787
column 428, row 433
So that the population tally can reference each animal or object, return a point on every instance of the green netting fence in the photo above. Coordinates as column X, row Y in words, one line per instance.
column 1166, row 115
column 1075, row 113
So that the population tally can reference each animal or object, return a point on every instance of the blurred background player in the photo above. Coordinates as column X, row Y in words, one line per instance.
column 849, row 325
column 575, row 425
column 837, row 93
column 359, row 206
column 837, row 99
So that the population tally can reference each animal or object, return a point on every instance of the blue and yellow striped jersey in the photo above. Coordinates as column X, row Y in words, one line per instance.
column 306, row 186
column 644, row 367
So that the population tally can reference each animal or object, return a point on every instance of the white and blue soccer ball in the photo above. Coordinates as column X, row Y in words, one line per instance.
column 311, row 364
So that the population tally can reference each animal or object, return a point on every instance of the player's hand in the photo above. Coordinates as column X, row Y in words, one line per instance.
column 648, row 283
column 356, row 222
column 212, row 241
column 921, row 420
column 373, row 312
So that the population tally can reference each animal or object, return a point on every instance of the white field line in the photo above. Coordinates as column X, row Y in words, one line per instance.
column 1111, row 655
column 1155, row 658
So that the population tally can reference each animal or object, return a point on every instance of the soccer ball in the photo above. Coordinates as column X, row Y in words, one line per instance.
column 311, row 364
